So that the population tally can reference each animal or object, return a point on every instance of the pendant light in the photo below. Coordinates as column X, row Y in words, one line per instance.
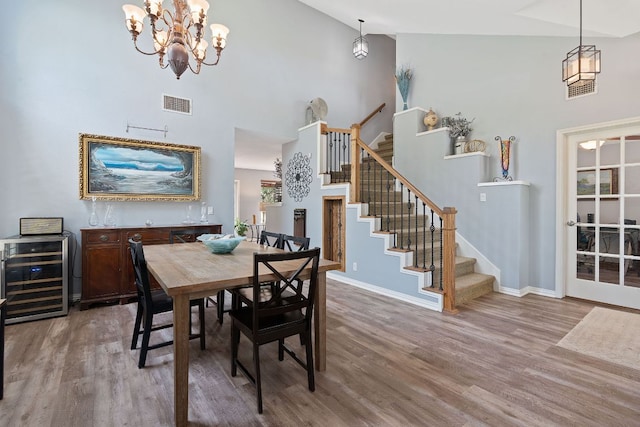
column 582, row 64
column 360, row 45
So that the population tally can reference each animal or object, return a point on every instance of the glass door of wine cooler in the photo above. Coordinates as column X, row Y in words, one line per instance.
column 35, row 277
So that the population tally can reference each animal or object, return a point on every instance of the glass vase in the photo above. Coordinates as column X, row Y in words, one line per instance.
column 93, row 218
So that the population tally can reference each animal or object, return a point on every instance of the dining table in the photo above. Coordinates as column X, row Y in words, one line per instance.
column 190, row 271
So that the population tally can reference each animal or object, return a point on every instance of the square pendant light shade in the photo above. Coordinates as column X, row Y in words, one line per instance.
column 361, row 47
column 581, row 65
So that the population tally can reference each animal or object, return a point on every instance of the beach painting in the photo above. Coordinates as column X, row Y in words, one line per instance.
column 126, row 169
column 587, row 182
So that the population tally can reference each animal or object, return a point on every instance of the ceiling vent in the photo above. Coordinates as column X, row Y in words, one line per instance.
column 176, row 105
column 576, row 91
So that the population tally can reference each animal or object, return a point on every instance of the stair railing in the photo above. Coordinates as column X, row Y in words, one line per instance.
column 416, row 223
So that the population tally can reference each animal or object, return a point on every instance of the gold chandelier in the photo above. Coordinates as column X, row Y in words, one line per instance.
column 178, row 35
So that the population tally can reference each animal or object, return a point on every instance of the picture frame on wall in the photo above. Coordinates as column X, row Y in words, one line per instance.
column 125, row 169
column 586, row 182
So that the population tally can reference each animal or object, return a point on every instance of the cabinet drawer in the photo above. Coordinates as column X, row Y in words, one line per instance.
column 148, row 236
column 107, row 236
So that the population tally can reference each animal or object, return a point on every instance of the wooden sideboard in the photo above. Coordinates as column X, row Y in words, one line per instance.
column 107, row 271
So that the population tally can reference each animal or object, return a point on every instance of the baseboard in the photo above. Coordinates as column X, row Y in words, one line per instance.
column 435, row 306
column 528, row 290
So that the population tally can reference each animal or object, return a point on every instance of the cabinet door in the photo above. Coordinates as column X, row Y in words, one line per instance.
column 102, row 276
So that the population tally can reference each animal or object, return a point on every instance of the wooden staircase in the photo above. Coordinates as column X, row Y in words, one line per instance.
column 468, row 283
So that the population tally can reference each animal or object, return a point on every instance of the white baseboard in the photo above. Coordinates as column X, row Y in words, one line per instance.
column 435, row 306
column 528, row 290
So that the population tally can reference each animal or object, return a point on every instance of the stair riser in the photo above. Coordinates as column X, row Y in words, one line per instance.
column 473, row 292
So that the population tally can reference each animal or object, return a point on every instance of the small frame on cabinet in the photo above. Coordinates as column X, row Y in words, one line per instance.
column 133, row 170
column 586, row 182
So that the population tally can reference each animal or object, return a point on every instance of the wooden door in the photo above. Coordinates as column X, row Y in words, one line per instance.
column 333, row 229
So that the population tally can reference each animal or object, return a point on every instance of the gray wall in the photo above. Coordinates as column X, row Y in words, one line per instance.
column 249, row 194
column 84, row 75
column 513, row 86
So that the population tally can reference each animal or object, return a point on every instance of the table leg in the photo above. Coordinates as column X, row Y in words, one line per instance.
column 320, row 323
column 181, row 313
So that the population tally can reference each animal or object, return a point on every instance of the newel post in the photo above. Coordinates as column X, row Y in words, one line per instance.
column 449, row 260
column 354, row 193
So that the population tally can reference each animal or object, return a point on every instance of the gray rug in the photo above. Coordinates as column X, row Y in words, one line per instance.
column 607, row 334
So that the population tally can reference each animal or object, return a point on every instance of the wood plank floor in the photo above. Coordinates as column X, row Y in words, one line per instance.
column 389, row 364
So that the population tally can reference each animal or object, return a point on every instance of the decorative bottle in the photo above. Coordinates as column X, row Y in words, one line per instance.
column 93, row 219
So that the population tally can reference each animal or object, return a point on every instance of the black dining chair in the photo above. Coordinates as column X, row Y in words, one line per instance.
column 294, row 243
column 287, row 312
column 151, row 302
column 269, row 238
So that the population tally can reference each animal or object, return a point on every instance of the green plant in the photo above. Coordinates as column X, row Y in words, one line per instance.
column 240, row 227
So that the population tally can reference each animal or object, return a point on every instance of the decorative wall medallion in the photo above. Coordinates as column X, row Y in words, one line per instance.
column 298, row 177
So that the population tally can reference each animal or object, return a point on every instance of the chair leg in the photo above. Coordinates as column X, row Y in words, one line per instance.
column 235, row 342
column 136, row 327
column 281, row 349
column 146, row 333
column 220, row 298
column 310, row 367
column 202, row 329
column 256, row 358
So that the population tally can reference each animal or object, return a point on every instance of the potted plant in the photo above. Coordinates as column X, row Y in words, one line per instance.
column 240, row 227
column 459, row 128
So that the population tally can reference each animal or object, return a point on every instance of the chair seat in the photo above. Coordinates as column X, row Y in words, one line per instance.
column 245, row 316
column 161, row 301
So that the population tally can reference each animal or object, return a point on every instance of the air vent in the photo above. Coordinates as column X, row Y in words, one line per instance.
column 587, row 88
column 175, row 104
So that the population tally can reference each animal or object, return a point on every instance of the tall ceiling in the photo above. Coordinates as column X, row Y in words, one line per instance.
column 602, row 18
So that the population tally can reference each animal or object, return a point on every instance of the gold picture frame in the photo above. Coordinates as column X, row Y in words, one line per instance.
column 122, row 169
column 586, row 182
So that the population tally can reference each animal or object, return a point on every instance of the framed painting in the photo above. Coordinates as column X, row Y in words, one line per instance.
column 127, row 169
column 608, row 182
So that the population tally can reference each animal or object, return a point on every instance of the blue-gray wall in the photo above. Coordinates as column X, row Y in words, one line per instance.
column 70, row 67
column 513, row 86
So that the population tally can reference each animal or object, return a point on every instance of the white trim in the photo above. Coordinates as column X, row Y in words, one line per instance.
column 528, row 290
column 409, row 110
column 428, row 132
column 378, row 139
column 437, row 306
column 472, row 154
column 319, row 122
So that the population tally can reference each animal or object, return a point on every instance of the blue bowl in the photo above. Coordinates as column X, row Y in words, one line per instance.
column 219, row 244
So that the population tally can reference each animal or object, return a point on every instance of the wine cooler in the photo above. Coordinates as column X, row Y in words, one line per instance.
column 35, row 276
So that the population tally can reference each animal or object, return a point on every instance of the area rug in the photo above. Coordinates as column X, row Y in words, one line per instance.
column 607, row 334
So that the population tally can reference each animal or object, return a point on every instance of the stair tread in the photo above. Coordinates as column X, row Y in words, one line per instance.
column 471, row 279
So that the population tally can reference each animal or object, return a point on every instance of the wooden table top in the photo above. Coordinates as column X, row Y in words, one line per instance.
column 191, row 268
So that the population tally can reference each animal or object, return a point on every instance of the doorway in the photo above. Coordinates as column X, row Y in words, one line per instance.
column 599, row 204
column 333, row 229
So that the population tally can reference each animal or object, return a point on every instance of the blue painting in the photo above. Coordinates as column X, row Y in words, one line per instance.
column 118, row 169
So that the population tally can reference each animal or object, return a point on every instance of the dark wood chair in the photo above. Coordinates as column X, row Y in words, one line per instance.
column 287, row 312
column 269, row 238
column 294, row 243
column 152, row 302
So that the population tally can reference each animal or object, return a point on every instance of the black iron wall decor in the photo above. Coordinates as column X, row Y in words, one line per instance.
column 299, row 176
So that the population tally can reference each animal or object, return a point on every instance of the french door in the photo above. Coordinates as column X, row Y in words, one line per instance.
column 603, row 206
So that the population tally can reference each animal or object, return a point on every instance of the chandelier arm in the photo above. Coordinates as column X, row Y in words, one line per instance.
column 197, row 70
column 213, row 63
column 135, row 44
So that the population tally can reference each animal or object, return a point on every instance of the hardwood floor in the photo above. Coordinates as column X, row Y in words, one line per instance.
column 389, row 364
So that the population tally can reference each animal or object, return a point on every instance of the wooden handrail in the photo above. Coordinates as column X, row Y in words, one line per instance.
column 373, row 113
column 400, row 178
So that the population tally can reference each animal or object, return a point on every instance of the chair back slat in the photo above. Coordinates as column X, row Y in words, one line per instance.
column 289, row 295
column 269, row 238
column 295, row 243
column 143, row 285
column 182, row 235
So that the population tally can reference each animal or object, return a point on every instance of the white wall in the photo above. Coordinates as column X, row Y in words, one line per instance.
column 83, row 75
column 249, row 194
column 513, row 86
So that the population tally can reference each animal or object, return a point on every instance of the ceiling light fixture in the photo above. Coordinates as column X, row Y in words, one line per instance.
column 360, row 45
column 592, row 144
column 582, row 64
column 182, row 36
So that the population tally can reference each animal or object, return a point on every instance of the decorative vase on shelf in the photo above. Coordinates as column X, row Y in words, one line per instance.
column 459, row 144
column 93, row 218
column 430, row 119
column 203, row 213
column 188, row 218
